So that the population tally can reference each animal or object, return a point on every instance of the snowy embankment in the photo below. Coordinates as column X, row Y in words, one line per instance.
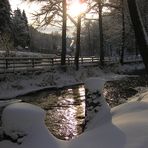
column 12, row 85
column 126, row 127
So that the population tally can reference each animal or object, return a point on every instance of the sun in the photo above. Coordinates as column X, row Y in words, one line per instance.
column 76, row 7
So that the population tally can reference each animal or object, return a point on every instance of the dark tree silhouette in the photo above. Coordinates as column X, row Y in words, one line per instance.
column 64, row 26
column 5, row 17
column 20, row 28
column 123, row 34
column 101, row 39
column 78, row 46
column 140, row 33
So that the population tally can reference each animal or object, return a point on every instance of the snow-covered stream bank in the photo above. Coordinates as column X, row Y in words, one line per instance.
column 125, row 126
column 65, row 108
column 12, row 85
column 23, row 124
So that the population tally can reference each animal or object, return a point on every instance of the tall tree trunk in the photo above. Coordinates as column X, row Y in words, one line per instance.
column 63, row 54
column 140, row 33
column 89, row 40
column 101, row 39
column 78, row 47
column 123, row 34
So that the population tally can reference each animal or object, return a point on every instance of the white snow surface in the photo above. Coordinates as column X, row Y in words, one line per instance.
column 22, row 117
column 94, row 84
column 12, row 85
column 126, row 127
column 28, row 121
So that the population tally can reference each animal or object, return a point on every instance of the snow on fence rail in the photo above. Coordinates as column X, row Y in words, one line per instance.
column 13, row 64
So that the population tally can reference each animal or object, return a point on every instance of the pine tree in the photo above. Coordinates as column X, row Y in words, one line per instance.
column 5, row 19
column 21, row 29
column 6, row 40
column 26, row 27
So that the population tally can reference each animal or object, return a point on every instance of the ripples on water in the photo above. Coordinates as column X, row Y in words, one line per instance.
column 65, row 110
column 118, row 91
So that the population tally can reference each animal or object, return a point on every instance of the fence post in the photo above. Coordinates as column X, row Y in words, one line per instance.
column 92, row 59
column 13, row 65
column 6, row 63
column 52, row 62
column 68, row 61
column 32, row 63
column 81, row 60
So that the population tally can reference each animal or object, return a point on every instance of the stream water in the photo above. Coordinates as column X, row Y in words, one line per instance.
column 65, row 108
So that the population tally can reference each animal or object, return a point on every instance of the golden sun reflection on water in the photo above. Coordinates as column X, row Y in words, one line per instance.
column 65, row 110
column 65, row 121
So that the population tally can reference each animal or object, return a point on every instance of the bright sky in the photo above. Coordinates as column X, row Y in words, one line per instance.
column 75, row 9
column 28, row 7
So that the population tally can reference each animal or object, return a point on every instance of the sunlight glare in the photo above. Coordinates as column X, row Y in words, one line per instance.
column 76, row 8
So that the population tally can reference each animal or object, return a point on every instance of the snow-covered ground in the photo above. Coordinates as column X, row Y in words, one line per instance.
column 16, row 53
column 12, row 85
column 126, row 127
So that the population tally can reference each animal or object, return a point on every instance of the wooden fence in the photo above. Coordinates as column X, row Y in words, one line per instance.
column 12, row 64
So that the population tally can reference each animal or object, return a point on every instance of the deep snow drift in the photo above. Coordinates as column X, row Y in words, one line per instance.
column 24, row 124
column 126, row 126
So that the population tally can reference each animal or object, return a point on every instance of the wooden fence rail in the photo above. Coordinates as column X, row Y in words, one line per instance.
column 11, row 64
column 14, row 64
